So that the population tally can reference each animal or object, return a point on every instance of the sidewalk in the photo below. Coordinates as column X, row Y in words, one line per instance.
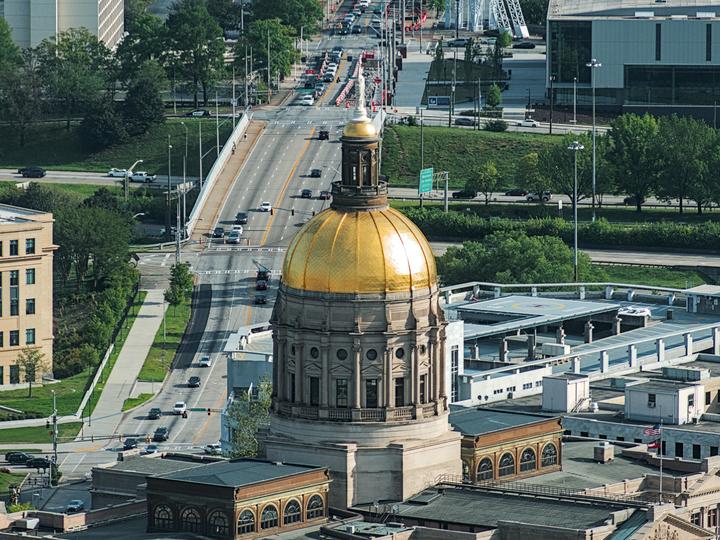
column 108, row 410
column 411, row 79
column 213, row 206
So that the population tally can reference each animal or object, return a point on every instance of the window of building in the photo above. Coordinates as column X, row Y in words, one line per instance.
column 639, row 441
column 269, row 517
column 190, row 520
column 663, row 450
column 30, row 276
column 696, row 451
column 507, row 465
column 569, row 49
column 602, row 436
column 696, row 518
column 13, row 247
column 315, row 507
column 538, row 383
column 341, row 393
column 713, row 450
column 485, row 470
column 293, row 513
column 679, row 449
column 30, row 336
column 14, row 374
column 371, row 354
column 619, row 438
column 218, row 523
column 29, row 306
column 341, row 354
column 14, row 278
column 549, row 455
column 2, row 339
column 712, row 520
column 691, row 400
column 454, row 370
column 527, row 386
column 14, row 301
column 528, row 461
column 400, row 392
column 371, row 393
column 314, row 391
column 708, row 398
column 658, row 42
column 652, row 400
column 510, row 389
column 29, row 246
column 423, row 387
column 498, row 391
column 246, row 522
column 14, row 338
column 400, row 352
column 465, row 471
column 1, row 248
column 292, row 388
column 708, row 43
column 163, row 517
column 584, row 434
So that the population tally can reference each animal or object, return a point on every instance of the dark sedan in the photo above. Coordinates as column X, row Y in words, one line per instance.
column 194, row 382
column 161, row 434
column 218, row 232
column 516, row 192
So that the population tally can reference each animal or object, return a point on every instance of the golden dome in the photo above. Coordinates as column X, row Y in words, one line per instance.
column 375, row 251
column 360, row 128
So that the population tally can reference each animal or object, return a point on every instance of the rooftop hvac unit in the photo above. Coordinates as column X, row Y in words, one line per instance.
column 705, row 14
column 644, row 14
column 604, row 452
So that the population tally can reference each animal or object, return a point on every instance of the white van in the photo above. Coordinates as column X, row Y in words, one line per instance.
column 205, row 361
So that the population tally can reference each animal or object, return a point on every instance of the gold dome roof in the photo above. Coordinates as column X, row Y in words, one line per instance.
column 360, row 128
column 375, row 251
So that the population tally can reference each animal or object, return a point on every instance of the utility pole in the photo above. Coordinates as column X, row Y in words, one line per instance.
column 54, row 433
column 575, row 100
column 169, row 192
column 457, row 19
column 593, row 65
column 177, row 224
column 200, row 152
column 552, row 79
column 234, row 101
column 575, row 147
column 268, row 65
column 217, row 126
column 402, row 21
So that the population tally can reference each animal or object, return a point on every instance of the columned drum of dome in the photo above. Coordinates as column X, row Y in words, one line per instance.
column 359, row 362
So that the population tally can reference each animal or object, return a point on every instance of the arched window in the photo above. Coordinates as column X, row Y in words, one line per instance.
column 507, row 465
column 269, row 517
column 466, row 471
column 485, row 470
column 528, row 461
column 549, row 455
column 292, row 513
column 190, row 520
column 163, row 517
column 246, row 522
column 218, row 523
column 315, row 507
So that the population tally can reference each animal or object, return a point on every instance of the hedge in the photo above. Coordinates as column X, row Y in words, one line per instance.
column 459, row 226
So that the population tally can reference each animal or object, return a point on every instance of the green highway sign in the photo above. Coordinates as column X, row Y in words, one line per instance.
column 426, row 176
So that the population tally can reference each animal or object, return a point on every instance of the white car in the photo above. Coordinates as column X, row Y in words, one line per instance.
column 529, row 122
column 179, row 407
column 636, row 311
column 205, row 361
column 307, row 101
column 214, row 449
column 237, row 227
column 142, row 176
column 117, row 173
column 332, row 65
column 265, row 206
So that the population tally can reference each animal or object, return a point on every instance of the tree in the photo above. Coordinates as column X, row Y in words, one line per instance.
column 77, row 69
column 294, row 13
column 103, row 198
column 468, row 59
column 632, row 155
column 144, row 107
column 504, row 39
column 181, row 278
column 9, row 52
column 102, row 127
column 226, row 13
column 484, row 180
column 144, row 41
column 246, row 415
column 506, row 258
column 32, row 363
column 282, row 48
column 684, row 147
column 557, row 165
column 528, row 174
column 535, row 11
column 21, row 92
column 195, row 45
column 493, row 98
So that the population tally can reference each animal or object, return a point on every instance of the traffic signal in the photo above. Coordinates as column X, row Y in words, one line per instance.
column 292, row 211
column 271, row 211
column 47, row 424
column 208, row 411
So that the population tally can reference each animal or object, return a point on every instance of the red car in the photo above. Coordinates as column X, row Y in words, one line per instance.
column 261, row 285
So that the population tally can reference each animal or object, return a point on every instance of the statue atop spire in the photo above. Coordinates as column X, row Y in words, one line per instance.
column 360, row 107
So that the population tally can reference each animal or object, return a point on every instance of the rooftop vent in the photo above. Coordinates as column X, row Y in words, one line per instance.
column 678, row 17
column 644, row 14
column 604, row 452
column 705, row 14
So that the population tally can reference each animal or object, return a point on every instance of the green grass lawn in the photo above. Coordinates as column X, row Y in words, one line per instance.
column 39, row 435
column 4, row 451
column 68, row 392
column 8, row 479
column 161, row 354
column 119, row 342
column 134, row 402
column 49, row 145
column 654, row 276
column 457, row 151
column 82, row 190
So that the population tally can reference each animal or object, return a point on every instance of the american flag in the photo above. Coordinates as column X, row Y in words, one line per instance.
column 655, row 430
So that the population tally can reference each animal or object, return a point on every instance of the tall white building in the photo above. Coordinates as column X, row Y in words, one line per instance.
column 31, row 21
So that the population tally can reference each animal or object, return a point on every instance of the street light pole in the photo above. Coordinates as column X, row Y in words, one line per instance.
column 128, row 173
column 184, row 168
column 575, row 100
column 593, row 65
column 457, row 19
column 217, row 125
column 552, row 80
column 169, row 192
column 200, row 152
column 575, row 147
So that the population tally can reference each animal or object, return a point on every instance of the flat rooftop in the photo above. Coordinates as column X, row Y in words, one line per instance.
column 14, row 214
column 237, row 473
column 153, row 465
column 664, row 385
column 479, row 421
column 627, row 8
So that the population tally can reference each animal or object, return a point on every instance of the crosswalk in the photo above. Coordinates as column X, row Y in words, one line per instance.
column 302, row 124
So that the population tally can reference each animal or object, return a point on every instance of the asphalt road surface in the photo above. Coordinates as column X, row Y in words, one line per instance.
column 90, row 178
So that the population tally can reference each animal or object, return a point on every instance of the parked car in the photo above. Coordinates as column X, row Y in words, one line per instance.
column 130, row 444
column 214, row 449
column 241, row 217
column 324, row 135
column 545, row 196
column 149, row 449
column 154, row 413
column 238, row 228
column 74, row 506
column 179, row 407
column 17, row 458
column 261, row 285
column 457, row 42
column 465, row 121
column 636, row 311
column 205, row 361
column 306, row 194
column 260, row 300
column 325, row 195
column 218, row 232
column 198, row 113
column 315, row 173
column 193, row 382
column 142, row 176
column 632, row 200
column 516, row 192
column 524, row 45
column 33, row 172
column 464, row 194
column 234, row 236
column 117, row 173
column 529, row 122
column 38, row 463
column 328, row 77
column 307, row 100
column 265, row 206
column 161, row 434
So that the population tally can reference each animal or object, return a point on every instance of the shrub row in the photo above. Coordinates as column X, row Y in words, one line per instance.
column 460, row 226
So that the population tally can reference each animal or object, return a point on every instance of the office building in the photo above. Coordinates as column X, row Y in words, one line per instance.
column 26, row 289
